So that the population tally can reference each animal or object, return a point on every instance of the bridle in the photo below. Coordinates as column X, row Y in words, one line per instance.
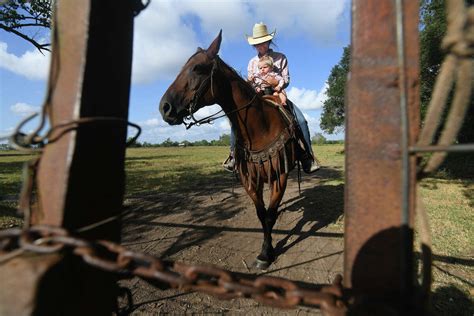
column 198, row 95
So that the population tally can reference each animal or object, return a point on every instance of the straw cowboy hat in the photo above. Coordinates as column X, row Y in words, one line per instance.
column 260, row 34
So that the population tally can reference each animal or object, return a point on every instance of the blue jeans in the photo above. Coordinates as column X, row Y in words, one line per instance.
column 303, row 125
column 304, row 128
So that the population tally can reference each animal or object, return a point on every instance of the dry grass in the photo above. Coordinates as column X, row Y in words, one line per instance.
column 448, row 197
column 11, row 164
column 170, row 169
column 449, row 204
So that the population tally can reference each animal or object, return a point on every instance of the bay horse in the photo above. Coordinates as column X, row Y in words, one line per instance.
column 266, row 148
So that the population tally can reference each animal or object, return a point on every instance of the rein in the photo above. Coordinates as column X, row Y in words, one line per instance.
column 199, row 93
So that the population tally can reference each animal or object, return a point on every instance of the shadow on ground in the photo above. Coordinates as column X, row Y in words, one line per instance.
column 320, row 205
column 201, row 212
column 449, row 300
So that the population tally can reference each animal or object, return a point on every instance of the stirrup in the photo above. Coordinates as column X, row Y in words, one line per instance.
column 229, row 164
column 310, row 164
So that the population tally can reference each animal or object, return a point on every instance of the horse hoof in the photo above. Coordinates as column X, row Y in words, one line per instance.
column 261, row 265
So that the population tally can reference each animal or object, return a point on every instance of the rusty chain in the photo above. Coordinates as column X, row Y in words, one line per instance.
column 115, row 258
column 223, row 284
column 23, row 142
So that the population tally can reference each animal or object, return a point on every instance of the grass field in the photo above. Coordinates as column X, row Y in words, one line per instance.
column 448, row 197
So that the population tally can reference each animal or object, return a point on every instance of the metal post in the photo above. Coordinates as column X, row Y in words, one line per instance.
column 382, row 108
column 81, row 175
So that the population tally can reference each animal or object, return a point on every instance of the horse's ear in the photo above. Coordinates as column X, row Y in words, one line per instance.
column 213, row 49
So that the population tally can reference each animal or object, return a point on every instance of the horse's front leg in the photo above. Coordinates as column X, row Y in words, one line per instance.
column 267, row 255
column 265, row 258
column 268, row 219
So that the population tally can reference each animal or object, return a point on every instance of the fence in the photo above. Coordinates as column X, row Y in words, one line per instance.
column 60, row 262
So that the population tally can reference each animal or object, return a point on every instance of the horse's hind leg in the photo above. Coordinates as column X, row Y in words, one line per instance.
column 268, row 218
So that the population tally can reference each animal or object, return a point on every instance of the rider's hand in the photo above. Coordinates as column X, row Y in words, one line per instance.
column 272, row 81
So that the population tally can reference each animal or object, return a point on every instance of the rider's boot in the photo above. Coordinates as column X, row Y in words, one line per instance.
column 229, row 163
column 310, row 164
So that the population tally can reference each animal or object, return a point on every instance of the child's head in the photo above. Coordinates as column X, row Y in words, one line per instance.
column 265, row 64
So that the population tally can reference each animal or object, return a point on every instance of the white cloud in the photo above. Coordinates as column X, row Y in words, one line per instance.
column 24, row 109
column 224, row 125
column 166, row 33
column 207, row 111
column 32, row 64
column 162, row 43
column 4, row 134
column 307, row 99
column 313, row 121
column 152, row 123
column 230, row 15
column 319, row 20
column 158, row 134
column 155, row 130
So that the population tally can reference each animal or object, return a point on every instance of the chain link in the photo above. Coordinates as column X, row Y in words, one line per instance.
column 223, row 284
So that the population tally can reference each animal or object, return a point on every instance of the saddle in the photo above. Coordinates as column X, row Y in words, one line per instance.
column 276, row 147
column 272, row 99
column 288, row 114
column 285, row 110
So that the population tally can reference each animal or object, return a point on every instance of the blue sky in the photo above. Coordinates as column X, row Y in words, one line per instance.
column 312, row 34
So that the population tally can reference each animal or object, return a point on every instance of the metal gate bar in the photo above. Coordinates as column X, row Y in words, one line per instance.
column 374, row 268
column 93, row 88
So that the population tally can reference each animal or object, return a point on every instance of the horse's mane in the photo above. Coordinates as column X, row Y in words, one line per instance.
column 236, row 76
column 247, row 88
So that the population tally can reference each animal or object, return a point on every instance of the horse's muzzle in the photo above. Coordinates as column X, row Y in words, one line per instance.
column 169, row 113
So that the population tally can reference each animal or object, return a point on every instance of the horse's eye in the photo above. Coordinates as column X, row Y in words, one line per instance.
column 199, row 68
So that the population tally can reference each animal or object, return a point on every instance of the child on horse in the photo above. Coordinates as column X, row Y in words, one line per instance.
column 268, row 81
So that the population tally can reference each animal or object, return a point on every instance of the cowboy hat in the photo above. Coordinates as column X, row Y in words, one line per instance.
column 260, row 34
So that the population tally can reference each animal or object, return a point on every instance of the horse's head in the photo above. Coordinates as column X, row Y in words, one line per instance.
column 191, row 90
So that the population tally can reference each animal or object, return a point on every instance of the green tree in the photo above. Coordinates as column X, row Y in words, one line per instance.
column 25, row 18
column 5, row 147
column 202, row 142
column 318, row 139
column 169, row 143
column 146, row 144
column 224, row 140
column 432, row 30
column 332, row 117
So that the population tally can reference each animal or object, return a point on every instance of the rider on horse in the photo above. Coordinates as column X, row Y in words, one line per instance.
column 261, row 40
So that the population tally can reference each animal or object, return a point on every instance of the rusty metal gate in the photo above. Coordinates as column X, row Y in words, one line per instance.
column 61, row 262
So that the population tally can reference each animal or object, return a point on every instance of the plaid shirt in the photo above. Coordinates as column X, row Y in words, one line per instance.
column 280, row 66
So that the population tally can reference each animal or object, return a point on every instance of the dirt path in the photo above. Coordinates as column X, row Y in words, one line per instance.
column 218, row 225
